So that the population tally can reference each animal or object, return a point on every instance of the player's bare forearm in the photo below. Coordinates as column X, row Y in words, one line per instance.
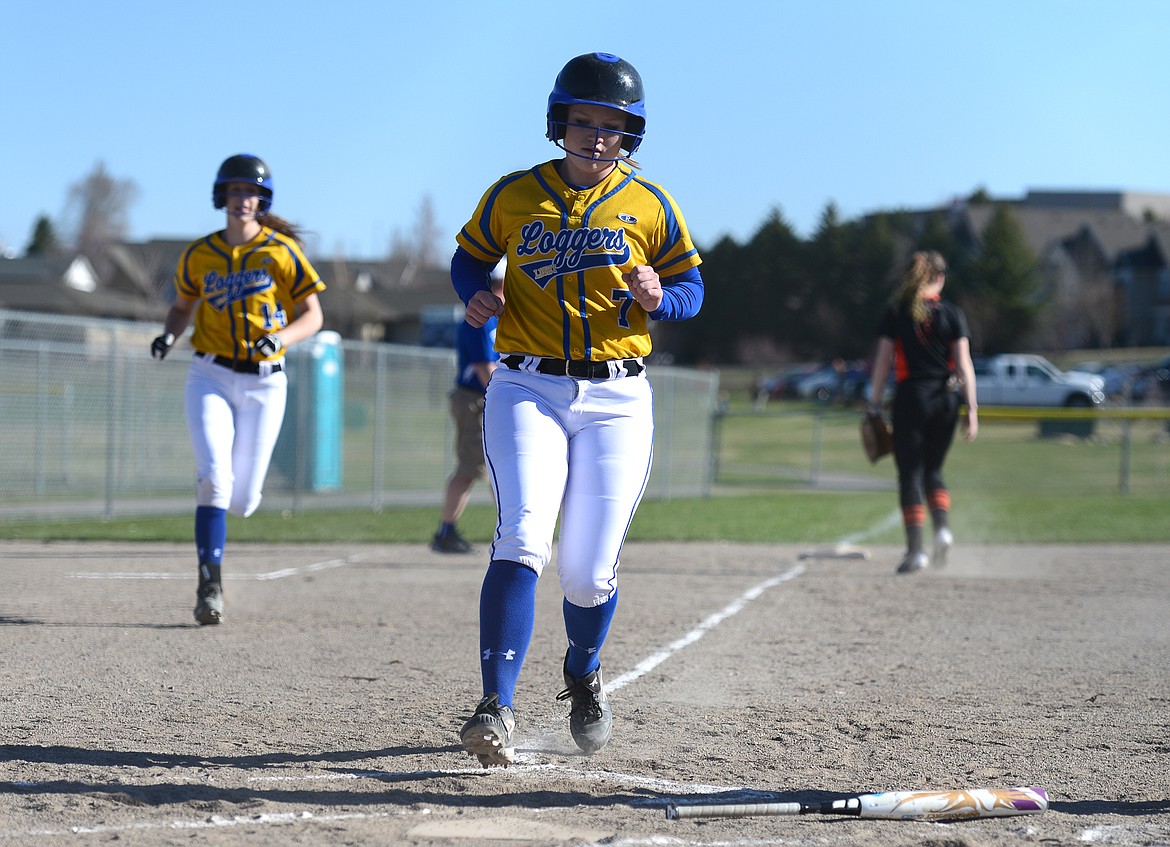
column 308, row 322
column 966, row 369
column 483, row 306
column 881, row 371
column 179, row 316
column 645, row 285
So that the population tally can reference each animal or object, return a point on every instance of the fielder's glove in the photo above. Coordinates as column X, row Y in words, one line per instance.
column 162, row 345
column 269, row 345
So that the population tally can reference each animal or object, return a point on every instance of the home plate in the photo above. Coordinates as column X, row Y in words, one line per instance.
column 836, row 551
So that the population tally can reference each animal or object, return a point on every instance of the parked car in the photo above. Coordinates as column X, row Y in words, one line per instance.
column 1027, row 380
column 843, row 382
column 782, row 384
column 1159, row 375
column 1017, row 379
column 1125, row 382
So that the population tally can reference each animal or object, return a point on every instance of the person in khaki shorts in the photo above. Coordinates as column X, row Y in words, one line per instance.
column 477, row 358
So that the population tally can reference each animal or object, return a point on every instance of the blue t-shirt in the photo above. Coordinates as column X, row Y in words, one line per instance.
column 474, row 346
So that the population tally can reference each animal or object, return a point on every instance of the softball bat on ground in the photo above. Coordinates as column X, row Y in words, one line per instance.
column 890, row 805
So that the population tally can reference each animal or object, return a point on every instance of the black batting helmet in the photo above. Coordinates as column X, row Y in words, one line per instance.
column 243, row 167
column 599, row 79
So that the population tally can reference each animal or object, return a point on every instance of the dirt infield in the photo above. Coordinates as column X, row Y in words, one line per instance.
column 326, row 709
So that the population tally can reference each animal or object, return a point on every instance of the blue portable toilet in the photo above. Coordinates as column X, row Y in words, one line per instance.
column 326, row 360
column 310, row 448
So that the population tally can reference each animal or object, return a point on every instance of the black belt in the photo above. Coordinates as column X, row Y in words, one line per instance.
column 242, row 366
column 577, row 368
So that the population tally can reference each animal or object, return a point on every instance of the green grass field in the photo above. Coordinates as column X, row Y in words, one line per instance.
column 795, row 473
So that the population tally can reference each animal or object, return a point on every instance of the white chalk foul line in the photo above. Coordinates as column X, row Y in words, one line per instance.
column 893, row 519
column 219, row 821
column 655, row 783
column 277, row 574
column 651, row 662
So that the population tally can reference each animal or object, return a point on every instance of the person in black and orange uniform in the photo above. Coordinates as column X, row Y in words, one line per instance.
column 927, row 341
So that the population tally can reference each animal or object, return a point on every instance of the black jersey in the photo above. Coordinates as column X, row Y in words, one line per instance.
column 923, row 350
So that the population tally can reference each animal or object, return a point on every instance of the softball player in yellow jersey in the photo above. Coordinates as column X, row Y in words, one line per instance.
column 593, row 252
column 252, row 293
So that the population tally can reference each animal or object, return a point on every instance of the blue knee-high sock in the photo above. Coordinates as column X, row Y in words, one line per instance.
column 586, row 629
column 507, row 614
column 210, row 538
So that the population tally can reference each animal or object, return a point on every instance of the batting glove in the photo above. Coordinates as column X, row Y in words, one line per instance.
column 269, row 345
column 162, row 345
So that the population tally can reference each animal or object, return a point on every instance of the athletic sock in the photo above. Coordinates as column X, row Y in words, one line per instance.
column 913, row 517
column 209, row 573
column 210, row 535
column 586, row 629
column 445, row 529
column 913, row 538
column 940, row 505
column 507, row 614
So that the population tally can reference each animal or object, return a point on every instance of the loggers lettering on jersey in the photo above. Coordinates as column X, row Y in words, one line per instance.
column 570, row 248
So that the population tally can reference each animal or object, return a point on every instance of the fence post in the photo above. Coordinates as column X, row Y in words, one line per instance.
column 1126, row 453
column 716, row 439
column 381, row 401
column 39, row 449
column 112, row 406
column 814, row 473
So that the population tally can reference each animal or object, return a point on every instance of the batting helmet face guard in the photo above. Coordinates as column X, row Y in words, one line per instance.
column 243, row 167
column 598, row 79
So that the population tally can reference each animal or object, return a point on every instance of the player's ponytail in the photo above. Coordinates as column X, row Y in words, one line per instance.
column 282, row 226
column 923, row 267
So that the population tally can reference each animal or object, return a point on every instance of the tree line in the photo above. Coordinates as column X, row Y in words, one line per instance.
column 780, row 298
column 776, row 298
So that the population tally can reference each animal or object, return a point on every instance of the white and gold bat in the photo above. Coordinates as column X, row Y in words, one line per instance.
column 890, row 805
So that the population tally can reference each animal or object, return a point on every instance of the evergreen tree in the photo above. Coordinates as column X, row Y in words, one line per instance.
column 1002, row 299
column 939, row 235
column 707, row 337
column 832, row 274
column 44, row 239
column 979, row 196
column 776, row 288
column 872, row 273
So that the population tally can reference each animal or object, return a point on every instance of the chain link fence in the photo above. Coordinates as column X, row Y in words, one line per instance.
column 90, row 425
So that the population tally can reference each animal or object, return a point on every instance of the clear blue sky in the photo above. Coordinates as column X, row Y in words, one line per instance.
column 365, row 109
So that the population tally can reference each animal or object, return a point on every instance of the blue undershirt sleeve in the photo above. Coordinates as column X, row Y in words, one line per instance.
column 469, row 274
column 682, row 296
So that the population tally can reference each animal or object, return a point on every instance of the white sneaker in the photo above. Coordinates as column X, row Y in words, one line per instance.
column 914, row 561
column 943, row 540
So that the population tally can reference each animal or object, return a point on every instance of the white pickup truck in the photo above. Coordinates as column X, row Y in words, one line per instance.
column 1017, row 379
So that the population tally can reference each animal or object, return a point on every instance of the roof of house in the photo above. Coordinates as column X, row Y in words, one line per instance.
column 138, row 286
column 1114, row 231
column 41, row 283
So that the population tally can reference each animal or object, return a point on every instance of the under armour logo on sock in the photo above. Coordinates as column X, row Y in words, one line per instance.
column 589, row 650
column 507, row 655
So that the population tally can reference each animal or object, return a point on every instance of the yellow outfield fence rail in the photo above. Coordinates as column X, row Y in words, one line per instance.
column 1048, row 413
